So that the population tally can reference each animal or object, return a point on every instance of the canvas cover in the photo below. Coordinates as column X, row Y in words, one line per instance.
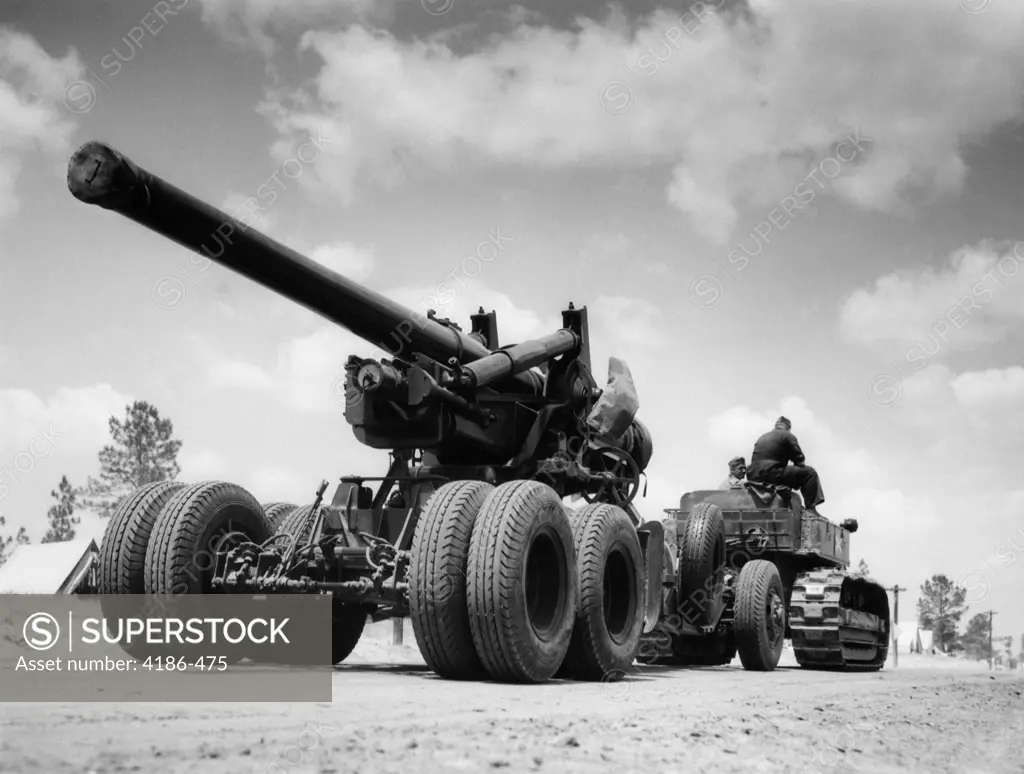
column 614, row 411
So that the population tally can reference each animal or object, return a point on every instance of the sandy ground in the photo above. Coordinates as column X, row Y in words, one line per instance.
column 390, row 714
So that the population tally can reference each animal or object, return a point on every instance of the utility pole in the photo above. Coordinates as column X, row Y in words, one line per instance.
column 990, row 652
column 896, row 622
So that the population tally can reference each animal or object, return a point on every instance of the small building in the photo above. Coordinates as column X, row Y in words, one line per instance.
column 51, row 568
column 916, row 640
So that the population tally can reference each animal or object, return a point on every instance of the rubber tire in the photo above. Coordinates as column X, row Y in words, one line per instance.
column 437, row 579
column 757, row 579
column 296, row 523
column 178, row 536
column 122, row 557
column 277, row 513
column 348, row 618
column 348, row 623
column 598, row 530
column 701, row 550
column 512, row 518
column 184, row 531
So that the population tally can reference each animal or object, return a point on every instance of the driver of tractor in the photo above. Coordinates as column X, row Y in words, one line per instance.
column 737, row 472
column 769, row 464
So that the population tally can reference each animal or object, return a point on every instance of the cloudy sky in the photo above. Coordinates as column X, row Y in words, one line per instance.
column 798, row 207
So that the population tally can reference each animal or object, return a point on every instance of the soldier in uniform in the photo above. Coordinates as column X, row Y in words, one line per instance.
column 737, row 472
column 769, row 464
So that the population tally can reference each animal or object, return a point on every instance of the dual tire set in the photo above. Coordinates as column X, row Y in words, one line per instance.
column 506, row 584
column 163, row 539
column 503, row 583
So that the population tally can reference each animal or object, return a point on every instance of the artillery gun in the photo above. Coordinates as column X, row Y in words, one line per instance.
column 752, row 567
column 466, row 532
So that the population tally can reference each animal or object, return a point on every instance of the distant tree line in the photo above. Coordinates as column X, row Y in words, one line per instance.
column 940, row 608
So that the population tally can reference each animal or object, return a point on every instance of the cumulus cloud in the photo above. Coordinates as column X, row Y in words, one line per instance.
column 995, row 387
column 45, row 439
column 78, row 416
column 241, row 207
column 457, row 303
column 346, row 259
column 307, row 371
column 734, row 113
column 308, row 368
column 301, row 376
column 844, row 468
column 251, row 22
column 976, row 297
column 626, row 324
column 32, row 116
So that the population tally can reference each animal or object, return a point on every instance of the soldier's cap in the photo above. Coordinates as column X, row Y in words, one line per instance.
column 784, row 421
column 735, row 462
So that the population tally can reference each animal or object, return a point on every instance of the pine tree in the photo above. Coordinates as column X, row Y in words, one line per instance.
column 7, row 542
column 143, row 452
column 62, row 522
column 939, row 608
column 975, row 639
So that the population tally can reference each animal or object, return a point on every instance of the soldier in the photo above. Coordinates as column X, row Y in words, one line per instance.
column 768, row 464
column 737, row 472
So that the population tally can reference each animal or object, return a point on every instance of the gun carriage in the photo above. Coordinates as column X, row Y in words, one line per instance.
column 467, row 532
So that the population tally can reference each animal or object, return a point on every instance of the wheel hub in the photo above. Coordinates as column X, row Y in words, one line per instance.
column 544, row 574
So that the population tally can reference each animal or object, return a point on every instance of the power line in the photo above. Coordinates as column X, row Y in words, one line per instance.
column 990, row 651
column 896, row 623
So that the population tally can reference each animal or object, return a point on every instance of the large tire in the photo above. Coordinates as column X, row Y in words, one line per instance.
column 298, row 524
column 759, row 616
column 348, row 622
column 610, row 598
column 122, row 567
column 437, row 579
column 122, row 559
column 348, row 619
column 522, row 582
column 188, row 532
column 277, row 513
column 701, row 542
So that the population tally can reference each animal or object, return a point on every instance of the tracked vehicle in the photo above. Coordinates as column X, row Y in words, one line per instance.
column 466, row 532
column 749, row 567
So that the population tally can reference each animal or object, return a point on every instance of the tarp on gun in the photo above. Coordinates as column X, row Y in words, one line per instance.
column 614, row 411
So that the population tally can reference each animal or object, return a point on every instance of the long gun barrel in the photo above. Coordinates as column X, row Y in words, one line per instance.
column 98, row 174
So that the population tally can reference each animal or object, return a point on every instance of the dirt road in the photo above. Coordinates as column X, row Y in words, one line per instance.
column 399, row 717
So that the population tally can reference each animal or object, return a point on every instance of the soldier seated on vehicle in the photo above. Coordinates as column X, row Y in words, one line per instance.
column 769, row 464
column 737, row 472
